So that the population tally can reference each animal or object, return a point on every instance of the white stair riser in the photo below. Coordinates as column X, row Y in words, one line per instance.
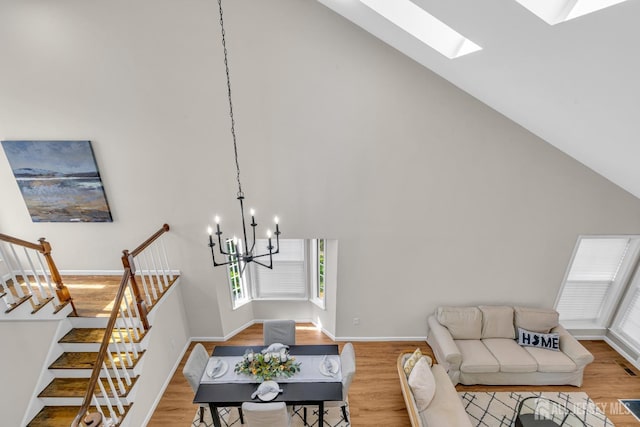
column 77, row 401
column 23, row 312
column 86, row 373
column 96, row 322
column 86, row 347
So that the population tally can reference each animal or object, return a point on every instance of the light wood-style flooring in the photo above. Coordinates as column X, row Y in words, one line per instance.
column 375, row 397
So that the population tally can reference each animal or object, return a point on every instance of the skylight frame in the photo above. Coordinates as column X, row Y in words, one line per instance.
column 558, row 11
column 423, row 26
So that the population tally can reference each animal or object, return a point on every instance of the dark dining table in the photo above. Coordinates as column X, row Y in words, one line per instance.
column 220, row 395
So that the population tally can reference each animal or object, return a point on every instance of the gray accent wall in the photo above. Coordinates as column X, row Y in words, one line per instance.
column 434, row 198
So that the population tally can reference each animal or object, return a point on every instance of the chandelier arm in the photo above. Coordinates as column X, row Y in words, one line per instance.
column 233, row 127
column 265, row 265
column 244, row 225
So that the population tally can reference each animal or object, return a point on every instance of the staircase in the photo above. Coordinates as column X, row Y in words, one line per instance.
column 72, row 369
column 97, row 356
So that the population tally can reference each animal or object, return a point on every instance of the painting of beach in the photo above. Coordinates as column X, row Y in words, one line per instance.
column 59, row 180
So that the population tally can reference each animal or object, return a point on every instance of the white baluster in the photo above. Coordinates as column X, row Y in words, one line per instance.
column 129, row 329
column 129, row 361
column 166, row 260
column 43, row 293
column 165, row 279
column 47, row 276
column 112, row 388
column 145, row 261
column 155, row 270
column 34, row 297
column 114, row 368
column 16, row 287
column 127, row 306
column 104, row 394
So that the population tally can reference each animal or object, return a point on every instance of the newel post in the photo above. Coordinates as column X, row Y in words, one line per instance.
column 127, row 262
column 61, row 289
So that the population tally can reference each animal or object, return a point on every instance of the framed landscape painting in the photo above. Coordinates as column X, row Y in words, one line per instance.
column 59, row 180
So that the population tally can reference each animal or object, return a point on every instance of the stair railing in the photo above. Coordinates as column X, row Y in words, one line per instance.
column 127, row 324
column 31, row 265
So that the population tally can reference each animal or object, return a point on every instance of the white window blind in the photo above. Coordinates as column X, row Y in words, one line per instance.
column 594, row 268
column 288, row 277
column 630, row 323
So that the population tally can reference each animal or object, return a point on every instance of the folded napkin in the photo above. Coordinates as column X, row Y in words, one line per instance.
column 265, row 388
column 327, row 365
column 276, row 347
column 214, row 368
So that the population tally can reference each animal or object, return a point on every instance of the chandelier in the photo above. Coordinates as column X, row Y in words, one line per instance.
column 240, row 250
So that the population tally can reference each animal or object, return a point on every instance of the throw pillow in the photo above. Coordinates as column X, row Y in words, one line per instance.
column 411, row 361
column 497, row 322
column 423, row 384
column 535, row 339
column 540, row 320
column 463, row 323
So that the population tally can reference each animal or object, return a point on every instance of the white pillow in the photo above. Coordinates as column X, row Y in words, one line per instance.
column 422, row 383
column 536, row 339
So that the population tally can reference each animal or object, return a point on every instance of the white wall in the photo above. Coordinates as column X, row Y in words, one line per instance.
column 433, row 197
column 25, row 346
column 167, row 340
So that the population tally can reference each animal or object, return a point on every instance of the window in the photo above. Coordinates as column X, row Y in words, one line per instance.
column 629, row 324
column 318, row 254
column 288, row 278
column 589, row 292
column 237, row 278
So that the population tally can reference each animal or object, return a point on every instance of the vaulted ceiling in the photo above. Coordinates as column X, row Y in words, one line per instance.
column 573, row 84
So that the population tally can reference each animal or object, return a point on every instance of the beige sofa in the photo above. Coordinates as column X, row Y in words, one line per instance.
column 477, row 345
column 445, row 408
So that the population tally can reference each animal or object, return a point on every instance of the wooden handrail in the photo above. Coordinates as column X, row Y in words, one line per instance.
column 104, row 347
column 44, row 248
column 150, row 240
column 20, row 242
column 127, row 262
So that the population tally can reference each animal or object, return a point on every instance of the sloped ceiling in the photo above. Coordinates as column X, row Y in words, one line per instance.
column 574, row 84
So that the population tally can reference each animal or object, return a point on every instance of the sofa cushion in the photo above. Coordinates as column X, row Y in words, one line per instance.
column 422, row 383
column 463, row 323
column 446, row 408
column 510, row 356
column 535, row 339
column 476, row 358
column 536, row 319
column 497, row 321
column 551, row 361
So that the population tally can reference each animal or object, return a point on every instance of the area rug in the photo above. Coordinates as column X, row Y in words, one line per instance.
column 229, row 417
column 498, row 409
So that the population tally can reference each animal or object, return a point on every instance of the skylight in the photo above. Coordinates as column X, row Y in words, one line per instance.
column 557, row 11
column 424, row 26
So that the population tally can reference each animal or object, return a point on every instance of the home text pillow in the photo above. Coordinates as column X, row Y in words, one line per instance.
column 540, row 320
column 535, row 339
column 497, row 322
column 422, row 383
column 463, row 323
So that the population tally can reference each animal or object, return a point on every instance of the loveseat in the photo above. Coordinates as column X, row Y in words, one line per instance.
column 478, row 345
column 444, row 408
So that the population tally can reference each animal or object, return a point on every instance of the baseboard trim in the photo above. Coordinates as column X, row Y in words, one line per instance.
column 376, row 339
column 622, row 352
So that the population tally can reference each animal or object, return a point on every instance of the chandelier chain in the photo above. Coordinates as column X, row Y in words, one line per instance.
column 233, row 130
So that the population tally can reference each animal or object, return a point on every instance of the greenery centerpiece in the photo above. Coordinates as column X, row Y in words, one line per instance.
column 267, row 366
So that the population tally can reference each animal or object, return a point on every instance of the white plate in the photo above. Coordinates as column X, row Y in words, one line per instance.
column 334, row 368
column 221, row 370
column 271, row 395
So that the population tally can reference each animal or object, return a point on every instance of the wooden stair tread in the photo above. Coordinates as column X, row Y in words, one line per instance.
column 61, row 416
column 86, row 360
column 77, row 387
column 95, row 335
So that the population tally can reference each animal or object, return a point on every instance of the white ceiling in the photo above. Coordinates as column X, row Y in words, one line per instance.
column 574, row 84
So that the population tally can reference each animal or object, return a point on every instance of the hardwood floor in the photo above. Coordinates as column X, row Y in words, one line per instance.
column 375, row 397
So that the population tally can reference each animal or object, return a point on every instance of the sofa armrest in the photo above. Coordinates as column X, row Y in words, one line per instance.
column 572, row 347
column 443, row 346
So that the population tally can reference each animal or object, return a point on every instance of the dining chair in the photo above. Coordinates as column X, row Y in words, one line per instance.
column 193, row 370
column 279, row 331
column 348, row 367
column 270, row 414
